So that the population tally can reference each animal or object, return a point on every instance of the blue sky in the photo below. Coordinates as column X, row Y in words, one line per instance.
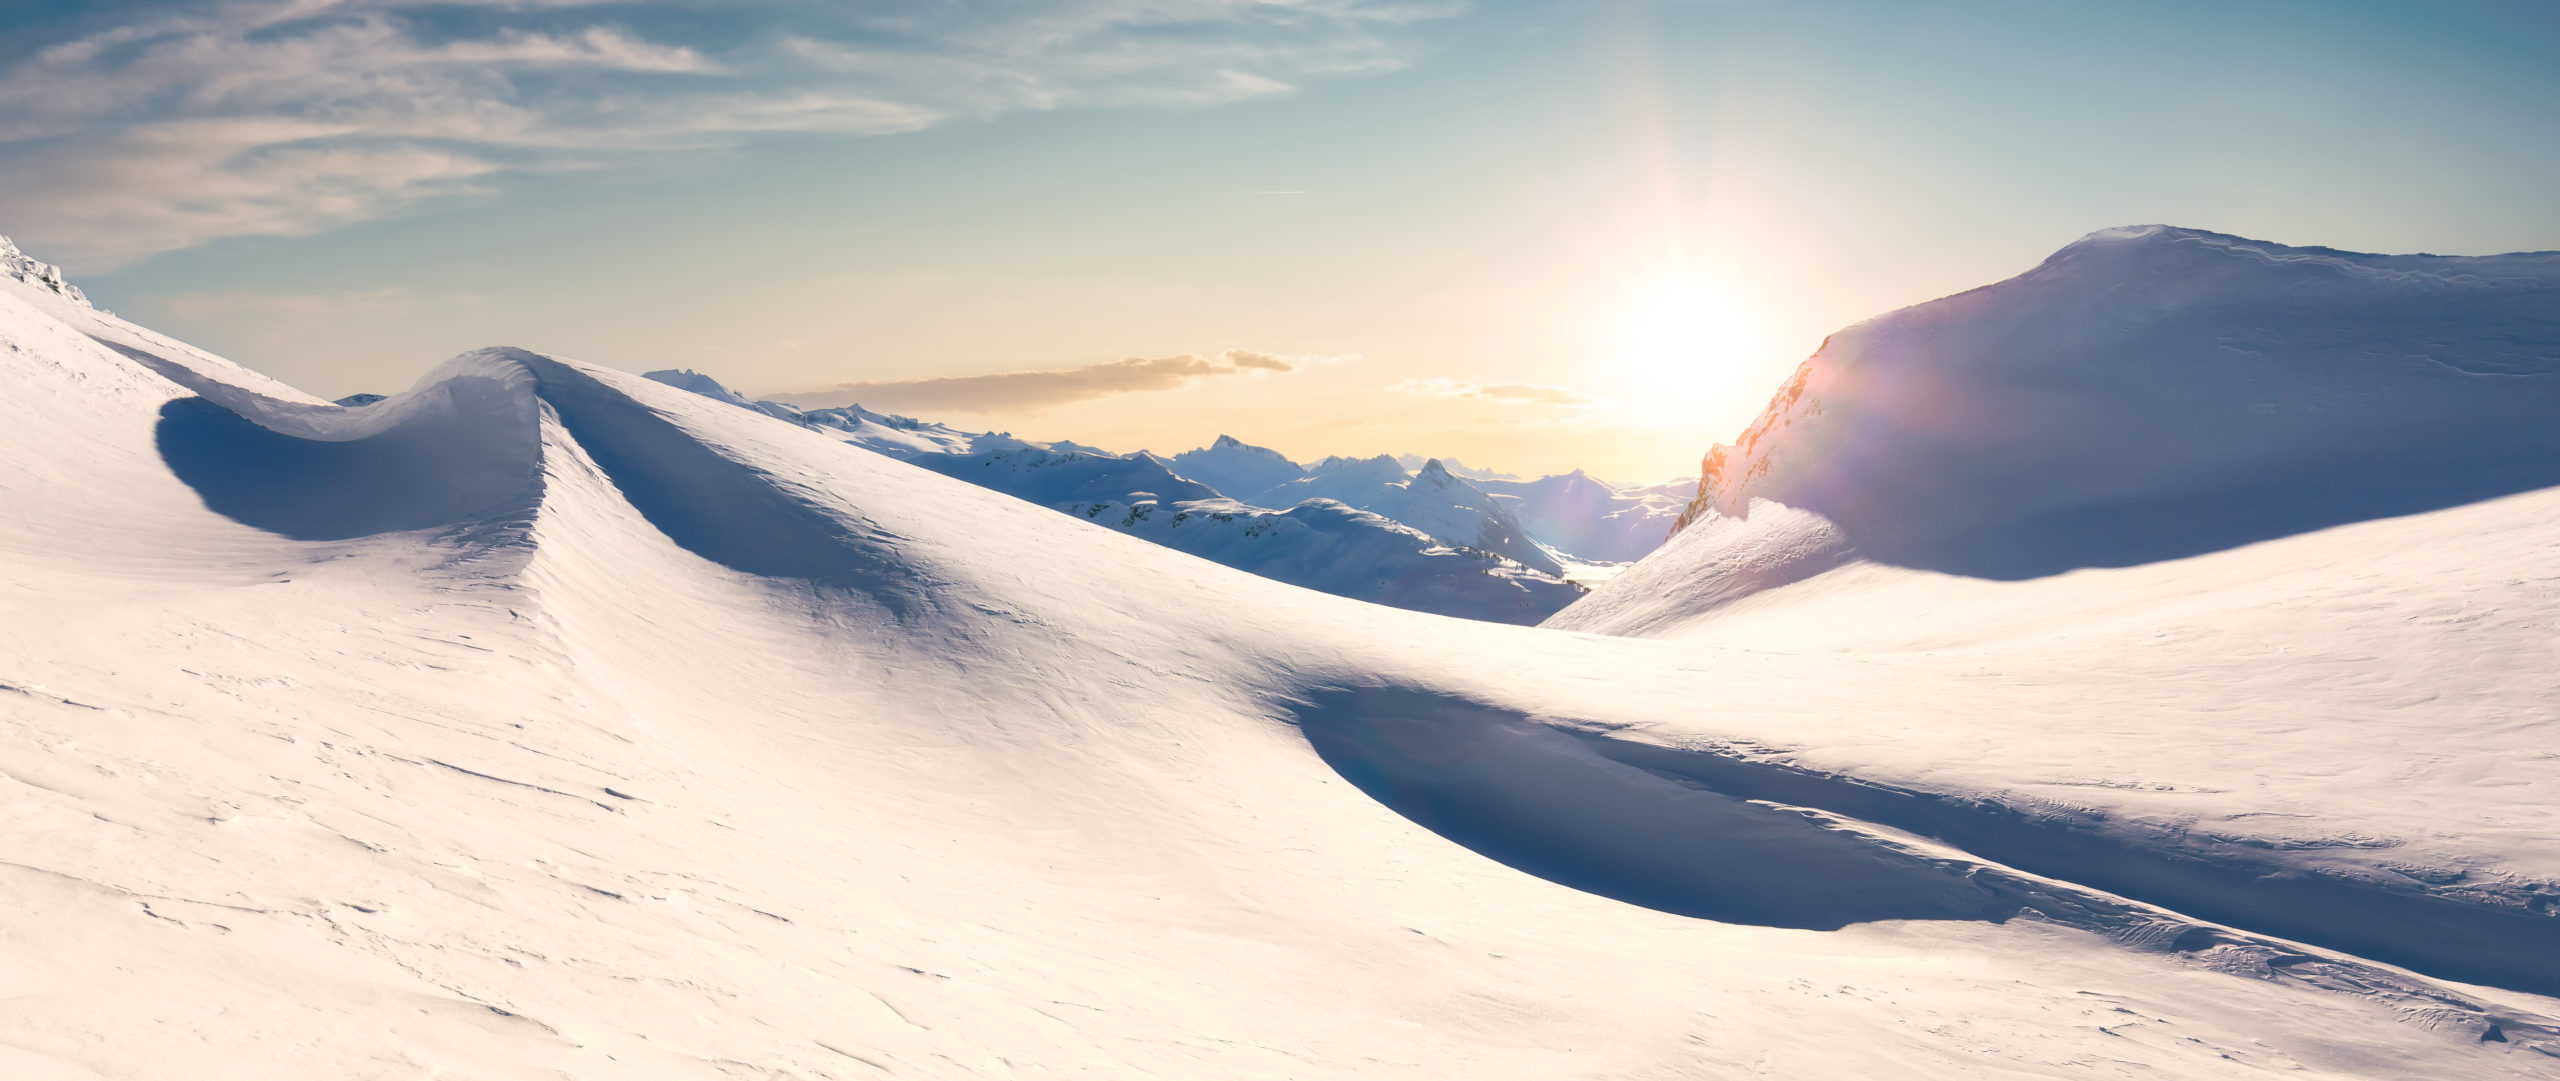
column 1531, row 235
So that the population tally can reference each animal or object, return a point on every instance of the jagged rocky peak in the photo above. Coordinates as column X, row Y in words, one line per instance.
column 25, row 268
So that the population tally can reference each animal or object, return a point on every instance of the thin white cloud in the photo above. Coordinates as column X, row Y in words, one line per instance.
column 1526, row 393
column 218, row 118
column 1034, row 390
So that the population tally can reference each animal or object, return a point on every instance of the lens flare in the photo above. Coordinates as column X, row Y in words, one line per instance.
column 1681, row 346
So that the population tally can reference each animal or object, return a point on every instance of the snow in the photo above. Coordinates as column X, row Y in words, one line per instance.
column 1319, row 543
column 2152, row 393
column 2296, row 571
column 684, row 741
column 1238, row 468
column 20, row 267
column 1431, row 500
column 895, row 436
column 1353, row 528
column 1592, row 521
column 1415, row 461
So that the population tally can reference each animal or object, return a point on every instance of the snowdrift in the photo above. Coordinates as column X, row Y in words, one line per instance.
column 648, row 736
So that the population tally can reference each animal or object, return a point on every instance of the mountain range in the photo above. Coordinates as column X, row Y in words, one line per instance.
column 1362, row 528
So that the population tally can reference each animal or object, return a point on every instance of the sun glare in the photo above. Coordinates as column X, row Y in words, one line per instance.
column 1681, row 346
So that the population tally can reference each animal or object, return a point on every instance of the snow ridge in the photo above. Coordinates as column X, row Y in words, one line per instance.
column 20, row 266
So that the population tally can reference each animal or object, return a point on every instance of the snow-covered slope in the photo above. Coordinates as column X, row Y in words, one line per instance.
column 902, row 437
column 895, row 436
column 661, row 738
column 2154, row 392
column 1319, row 544
column 2283, row 476
column 698, row 383
column 1593, row 521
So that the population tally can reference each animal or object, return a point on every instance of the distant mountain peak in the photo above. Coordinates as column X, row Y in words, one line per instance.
column 1455, row 467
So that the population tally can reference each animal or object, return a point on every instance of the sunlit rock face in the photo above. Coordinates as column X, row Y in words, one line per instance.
column 2154, row 392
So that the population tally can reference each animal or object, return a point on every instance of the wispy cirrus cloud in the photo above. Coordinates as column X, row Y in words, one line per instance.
column 1531, row 393
column 1033, row 390
column 157, row 126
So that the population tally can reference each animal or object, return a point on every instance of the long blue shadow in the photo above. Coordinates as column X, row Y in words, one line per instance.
column 1526, row 795
column 442, row 470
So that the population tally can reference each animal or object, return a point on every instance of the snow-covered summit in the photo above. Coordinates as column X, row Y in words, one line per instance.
column 1238, row 468
column 1415, row 461
column 22, row 267
column 2152, row 392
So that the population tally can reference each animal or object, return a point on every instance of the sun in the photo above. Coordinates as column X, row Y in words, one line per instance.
column 1677, row 346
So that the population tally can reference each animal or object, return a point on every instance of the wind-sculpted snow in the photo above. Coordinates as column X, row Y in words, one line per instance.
column 1722, row 837
column 717, row 507
column 757, row 757
column 2506, row 942
column 460, row 452
column 1540, row 800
